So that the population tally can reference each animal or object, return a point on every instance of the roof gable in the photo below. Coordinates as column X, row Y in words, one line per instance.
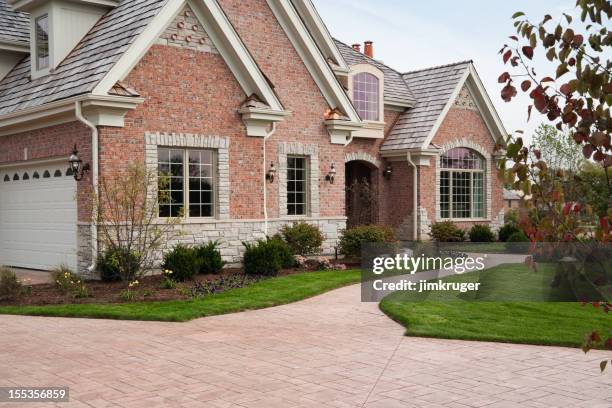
column 396, row 89
column 436, row 90
column 86, row 65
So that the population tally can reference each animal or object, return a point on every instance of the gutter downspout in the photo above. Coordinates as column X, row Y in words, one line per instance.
column 265, row 181
column 415, row 181
column 94, row 178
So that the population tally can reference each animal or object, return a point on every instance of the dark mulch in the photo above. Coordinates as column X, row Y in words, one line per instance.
column 148, row 289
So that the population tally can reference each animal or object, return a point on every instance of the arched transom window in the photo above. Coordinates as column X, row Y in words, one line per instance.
column 366, row 96
column 462, row 184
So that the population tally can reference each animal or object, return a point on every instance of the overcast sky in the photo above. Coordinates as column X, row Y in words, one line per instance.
column 412, row 34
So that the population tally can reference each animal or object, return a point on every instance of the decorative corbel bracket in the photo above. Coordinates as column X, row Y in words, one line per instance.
column 258, row 121
column 341, row 131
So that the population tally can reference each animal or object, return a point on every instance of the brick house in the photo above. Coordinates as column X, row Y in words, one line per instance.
column 215, row 94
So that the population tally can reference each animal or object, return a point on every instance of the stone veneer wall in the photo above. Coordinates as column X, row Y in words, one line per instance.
column 232, row 233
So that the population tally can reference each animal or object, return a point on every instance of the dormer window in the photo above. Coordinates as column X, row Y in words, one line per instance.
column 366, row 96
column 42, row 42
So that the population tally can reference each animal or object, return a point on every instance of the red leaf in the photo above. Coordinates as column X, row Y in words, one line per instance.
column 503, row 78
column 566, row 208
column 539, row 100
column 528, row 51
column 565, row 89
column 571, row 62
column 514, row 37
column 578, row 40
column 588, row 150
column 608, row 344
column 577, row 207
column 529, row 112
column 603, row 222
column 514, row 61
column 507, row 56
column 508, row 92
column 525, row 85
column 595, row 336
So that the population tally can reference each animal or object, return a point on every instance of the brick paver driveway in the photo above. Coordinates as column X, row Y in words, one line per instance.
column 329, row 351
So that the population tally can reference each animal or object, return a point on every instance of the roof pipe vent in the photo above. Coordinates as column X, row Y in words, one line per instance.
column 356, row 47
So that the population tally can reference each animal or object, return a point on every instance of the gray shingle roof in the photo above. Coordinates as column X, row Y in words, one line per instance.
column 432, row 88
column 395, row 87
column 14, row 25
column 86, row 65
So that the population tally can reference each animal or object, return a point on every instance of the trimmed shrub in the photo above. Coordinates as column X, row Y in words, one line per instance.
column 210, row 257
column 446, row 231
column 303, row 238
column 10, row 286
column 518, row 242
column 518, row 236
column 267, row 257
column 109, row 265
column 506, row 231
column 352, row 239
column 183, row 261
column 481, row 233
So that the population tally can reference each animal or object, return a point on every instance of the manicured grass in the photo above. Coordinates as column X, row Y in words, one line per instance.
column 266, row 293
column 516, row 318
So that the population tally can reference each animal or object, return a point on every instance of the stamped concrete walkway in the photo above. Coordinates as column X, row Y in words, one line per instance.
column 328, row 351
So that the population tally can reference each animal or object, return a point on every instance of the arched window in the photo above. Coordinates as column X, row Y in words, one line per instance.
column 36, row 175
column 58, row 173
column 462, row 185
column 7, row 178
column 366, row 96
column 15, row 177
column 46, row 174
column 25, row 176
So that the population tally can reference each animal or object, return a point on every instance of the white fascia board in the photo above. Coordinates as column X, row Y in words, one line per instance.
column 221, row 32
column 312, row 57
column 57, row 112
column 485, row 105
column 449, row 104
column 315, row 24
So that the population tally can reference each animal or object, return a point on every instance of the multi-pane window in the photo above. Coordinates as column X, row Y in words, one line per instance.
column 366, row 96
column 42, row 42
column 183, row 187
column 462, row 184
column 297, row 187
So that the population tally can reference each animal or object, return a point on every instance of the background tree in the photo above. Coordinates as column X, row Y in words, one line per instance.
column 557, row 149
column 575, row 97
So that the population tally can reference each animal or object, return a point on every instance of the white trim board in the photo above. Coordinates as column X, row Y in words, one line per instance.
column 312, row 57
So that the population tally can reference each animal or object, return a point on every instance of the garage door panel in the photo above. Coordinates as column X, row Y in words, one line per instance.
column 38, row 218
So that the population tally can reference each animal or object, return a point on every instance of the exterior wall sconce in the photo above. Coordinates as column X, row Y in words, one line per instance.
column 271, row 173
column 388, row 172
column 76, row 165
column 331, row 175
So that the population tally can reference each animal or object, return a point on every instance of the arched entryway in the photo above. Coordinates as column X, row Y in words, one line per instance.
column 361, row 182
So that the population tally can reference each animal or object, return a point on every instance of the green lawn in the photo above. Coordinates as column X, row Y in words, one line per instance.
column 516, row 318
column 266, row 293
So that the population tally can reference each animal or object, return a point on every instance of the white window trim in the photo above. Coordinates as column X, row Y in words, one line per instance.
column 311, row 152
column 488, row 201
column 34, row 71
column 155, row 140
column 186, row 190
column 369, row 69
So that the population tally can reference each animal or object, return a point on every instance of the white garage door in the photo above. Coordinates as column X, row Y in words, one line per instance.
column 38, row 216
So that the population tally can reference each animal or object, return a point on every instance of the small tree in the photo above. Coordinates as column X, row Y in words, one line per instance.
column 575, row 98
column 558, row 150
column 126, row 214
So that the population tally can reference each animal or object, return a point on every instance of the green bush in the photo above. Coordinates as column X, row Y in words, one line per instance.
column 267, row 257
column 446, row 231
column 10, row 286
column 210, row 257
column 518, row 242
column 109, row 265
column 481, row 233
column 511, row 217
column 506, row 231
column 518, row 236
column 303, row 238
column 351, row 239
column 183, row 261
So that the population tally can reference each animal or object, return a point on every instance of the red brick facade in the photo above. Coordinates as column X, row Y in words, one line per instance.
column 194, row 92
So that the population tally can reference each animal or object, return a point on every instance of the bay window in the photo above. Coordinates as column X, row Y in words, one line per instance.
column 186, row 182
column 462, row 184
